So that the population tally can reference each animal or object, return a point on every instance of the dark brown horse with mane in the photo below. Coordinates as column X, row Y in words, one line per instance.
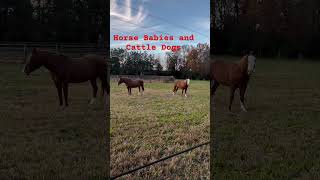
column 132, row 83
column 236, row 76
column 65, row 70
column 181, row 84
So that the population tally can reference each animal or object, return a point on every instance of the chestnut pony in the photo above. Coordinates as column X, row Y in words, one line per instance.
column 181, row 84
column 131, row 83
column 65, row 70
column 236, row 76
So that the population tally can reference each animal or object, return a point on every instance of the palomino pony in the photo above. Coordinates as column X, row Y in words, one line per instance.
column 233, row 75
column 65, row 70
column 181, row 84
column 130, row 83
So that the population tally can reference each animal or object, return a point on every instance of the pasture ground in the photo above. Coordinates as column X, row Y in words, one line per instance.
column 157, row 124
column 38, row 140
column 279, row 138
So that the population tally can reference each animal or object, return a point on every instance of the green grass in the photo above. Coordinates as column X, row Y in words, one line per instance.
column 157, row 124
column 279, row 138
column 39, row 140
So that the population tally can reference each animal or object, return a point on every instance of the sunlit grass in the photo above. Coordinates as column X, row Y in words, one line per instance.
column 157, row 124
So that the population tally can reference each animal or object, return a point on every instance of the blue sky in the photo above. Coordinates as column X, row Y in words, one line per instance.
column 167, row 17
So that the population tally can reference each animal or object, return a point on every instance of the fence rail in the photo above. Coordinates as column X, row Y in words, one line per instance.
column 146, row 78
column 16, row 52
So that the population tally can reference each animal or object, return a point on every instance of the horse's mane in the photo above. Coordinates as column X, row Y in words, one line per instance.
column 243, row 63
column 125, row 78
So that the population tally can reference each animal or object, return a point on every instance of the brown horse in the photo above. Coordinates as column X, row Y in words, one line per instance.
column 130, row 83
column 181, row 84
column 233, row 75
column 65, row 70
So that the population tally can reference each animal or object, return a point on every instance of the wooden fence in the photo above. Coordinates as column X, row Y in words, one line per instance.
column 146, row 78
column 17, row 52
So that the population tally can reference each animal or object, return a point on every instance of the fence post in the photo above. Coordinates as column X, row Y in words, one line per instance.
column 56, row 48
column 25, row 53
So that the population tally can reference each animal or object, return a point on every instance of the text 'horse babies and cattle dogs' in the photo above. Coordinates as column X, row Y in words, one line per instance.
column 65, row 70
column 234, row 75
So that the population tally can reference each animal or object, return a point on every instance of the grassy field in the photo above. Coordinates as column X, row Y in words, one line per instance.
column 38, row 140
column 157, row 124
column 279, row 138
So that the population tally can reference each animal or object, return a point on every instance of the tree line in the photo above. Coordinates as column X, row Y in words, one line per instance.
column 74, row 21
column 272, row 28
column 189, row 62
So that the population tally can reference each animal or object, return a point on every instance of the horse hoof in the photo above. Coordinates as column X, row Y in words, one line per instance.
column 62, row 108
column 92, row 101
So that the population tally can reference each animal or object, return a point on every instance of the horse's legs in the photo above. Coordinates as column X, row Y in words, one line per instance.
column 65, row 92
column 128, row 90
column 59, row 89
column 142, row 89
column 242, row 93
column 214, row 86
column 232, row 90
column 95, row 90
column 174, row 90
column 185, row 92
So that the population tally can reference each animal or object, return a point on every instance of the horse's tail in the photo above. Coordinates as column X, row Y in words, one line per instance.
column 105, row 86
column 142, row 85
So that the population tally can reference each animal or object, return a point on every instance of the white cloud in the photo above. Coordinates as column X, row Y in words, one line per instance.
column 124, row 12
column 128, row 19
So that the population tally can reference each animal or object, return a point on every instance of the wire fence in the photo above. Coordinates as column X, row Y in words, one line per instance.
column 159, row 160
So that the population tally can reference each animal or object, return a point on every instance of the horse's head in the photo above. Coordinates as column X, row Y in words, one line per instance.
column 251, row 64
column 120, row 81
column 188, row 81
column 33, row 62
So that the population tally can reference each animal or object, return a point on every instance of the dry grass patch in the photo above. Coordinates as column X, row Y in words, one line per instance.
column 149, row 127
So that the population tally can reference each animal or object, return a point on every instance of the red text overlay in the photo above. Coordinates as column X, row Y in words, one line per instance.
column 152, row 38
